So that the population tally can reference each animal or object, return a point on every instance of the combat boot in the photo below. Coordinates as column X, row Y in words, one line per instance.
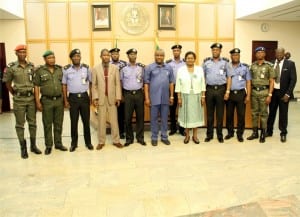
column 262, row 137
column 24, row 153
column 254, row 134
column 33, row 147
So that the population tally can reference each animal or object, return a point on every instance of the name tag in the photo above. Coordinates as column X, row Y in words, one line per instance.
column 221, row 72
column 262, row 75
column 240, row 78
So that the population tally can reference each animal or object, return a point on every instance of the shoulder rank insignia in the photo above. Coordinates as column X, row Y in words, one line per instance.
column 10, row 64
column 225, row 59
column 244, row 64
column 269, row 63
column 123, row 62
column 67, row 66
column 59, row 66
column 206, row 59
column 85, row 65
column 141, row 65
column 168, row 61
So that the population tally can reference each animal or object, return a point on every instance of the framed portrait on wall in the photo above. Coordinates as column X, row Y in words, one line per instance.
column 101, row 17
column 166, row 17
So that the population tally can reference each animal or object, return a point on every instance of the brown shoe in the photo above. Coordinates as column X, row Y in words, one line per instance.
column 118, row 145
column 99, row 146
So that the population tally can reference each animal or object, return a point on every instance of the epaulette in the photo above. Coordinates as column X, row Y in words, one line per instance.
column 122, row 66
column 59, row 66
column 123, row 62
column 67, row 66
column 37, row 67
column 206, row 59
column 269, row 63
column 244, row 64
column 30, row 63
column 10, row 64
column 168, row 61
column 225, row 59
column 85, row 65
column 141, row 65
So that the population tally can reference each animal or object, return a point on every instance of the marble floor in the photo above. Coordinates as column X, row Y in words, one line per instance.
column 176, row 180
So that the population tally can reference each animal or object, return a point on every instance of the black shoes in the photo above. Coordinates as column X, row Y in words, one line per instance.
column 172, row 132
column 283, row 138
column 268, row 134
column 220, row 139
column 142, row 142
column 128, row 143
column 228, row 136
column 154, row 142
column 48, row 151
column 240, row 139
column 90, row 147
column 207, row 139
column 166, row 141
column 254, row 135
column 73, row 148
column 122, row 136
column 61, row 147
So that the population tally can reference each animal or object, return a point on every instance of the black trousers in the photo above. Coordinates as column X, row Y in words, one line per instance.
column 215, row 103
column 276, row 102
column 80, row 104
column 121, row 118
column 173, row 115
column 236, row 101
column 134, row 102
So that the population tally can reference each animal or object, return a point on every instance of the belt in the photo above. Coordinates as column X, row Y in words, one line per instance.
column 52, row 97
column 78, row 95
column 133, row 92
column 237, row 91
column 216, row 87
column 259, row 88
column 28, row 93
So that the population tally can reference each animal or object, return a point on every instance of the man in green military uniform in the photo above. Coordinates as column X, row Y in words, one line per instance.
column 48, row 83
column 263, row 75
column 21, row 74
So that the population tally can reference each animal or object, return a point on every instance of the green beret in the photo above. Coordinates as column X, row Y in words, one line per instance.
column 47, row 53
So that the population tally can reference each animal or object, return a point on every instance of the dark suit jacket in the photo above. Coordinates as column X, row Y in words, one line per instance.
column 288, row 78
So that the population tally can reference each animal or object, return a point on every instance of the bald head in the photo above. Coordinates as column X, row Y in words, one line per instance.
column 159, row 56
column 279, row 53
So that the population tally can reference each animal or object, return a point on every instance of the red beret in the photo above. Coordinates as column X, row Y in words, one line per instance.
column 20, row 47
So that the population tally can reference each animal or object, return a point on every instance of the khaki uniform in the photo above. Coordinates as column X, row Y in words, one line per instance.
column 52, row 101
column 260, row 90
column 23, row 98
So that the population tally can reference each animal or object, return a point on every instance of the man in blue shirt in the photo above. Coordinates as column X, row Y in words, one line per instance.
column 215, row 71
column 175, row 63
column 76, row 81
column 131, row 76
column 159, row 83
column 237, row 94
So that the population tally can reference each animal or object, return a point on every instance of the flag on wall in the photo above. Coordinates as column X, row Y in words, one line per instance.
column 156, row 41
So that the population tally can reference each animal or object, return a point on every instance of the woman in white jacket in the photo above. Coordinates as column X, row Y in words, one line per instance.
column 190, row 88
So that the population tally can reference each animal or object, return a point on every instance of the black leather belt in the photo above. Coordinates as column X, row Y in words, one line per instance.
column 52, row 97
column 237, row 91
column 78, row 95
column 28, row 93
column 259, row 88
column 216, row 87
column 133, row 92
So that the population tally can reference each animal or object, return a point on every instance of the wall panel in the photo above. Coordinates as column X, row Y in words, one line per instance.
column 186, row 20
column 35, row 21
column 80, row 20
column 35, row 53
column 57, row 20
column 207, row 21
column 60, row 50
column 225, row 21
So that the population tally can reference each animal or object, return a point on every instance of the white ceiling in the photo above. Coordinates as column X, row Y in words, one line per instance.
column 286, row 12
column 5, row 15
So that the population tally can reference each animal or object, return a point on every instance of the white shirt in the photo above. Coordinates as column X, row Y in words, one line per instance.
column 186, row 81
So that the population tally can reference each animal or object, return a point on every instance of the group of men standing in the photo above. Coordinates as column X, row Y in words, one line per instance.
column 118, row 89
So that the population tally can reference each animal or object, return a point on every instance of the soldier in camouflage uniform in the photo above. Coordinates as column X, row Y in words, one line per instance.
column 21, row 74
column 48, row 83
column 263, row 75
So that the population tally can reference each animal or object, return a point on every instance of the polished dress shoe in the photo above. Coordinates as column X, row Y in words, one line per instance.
column 99, row 146
column 172, row 132
column 154, row 142
column 207, row 139
column 90, row 147
column 61, row 147
column 228, row 136
column 166, row 141
column 142, row 142
column 48, row 151
column 128, row 143
column 283, row 138
column 73, row 148
column 221, row 140
column 122, row 136
column 186, row 140
column 240, row 139
column 268, row 134
column 195, row 140
column 118, row 145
